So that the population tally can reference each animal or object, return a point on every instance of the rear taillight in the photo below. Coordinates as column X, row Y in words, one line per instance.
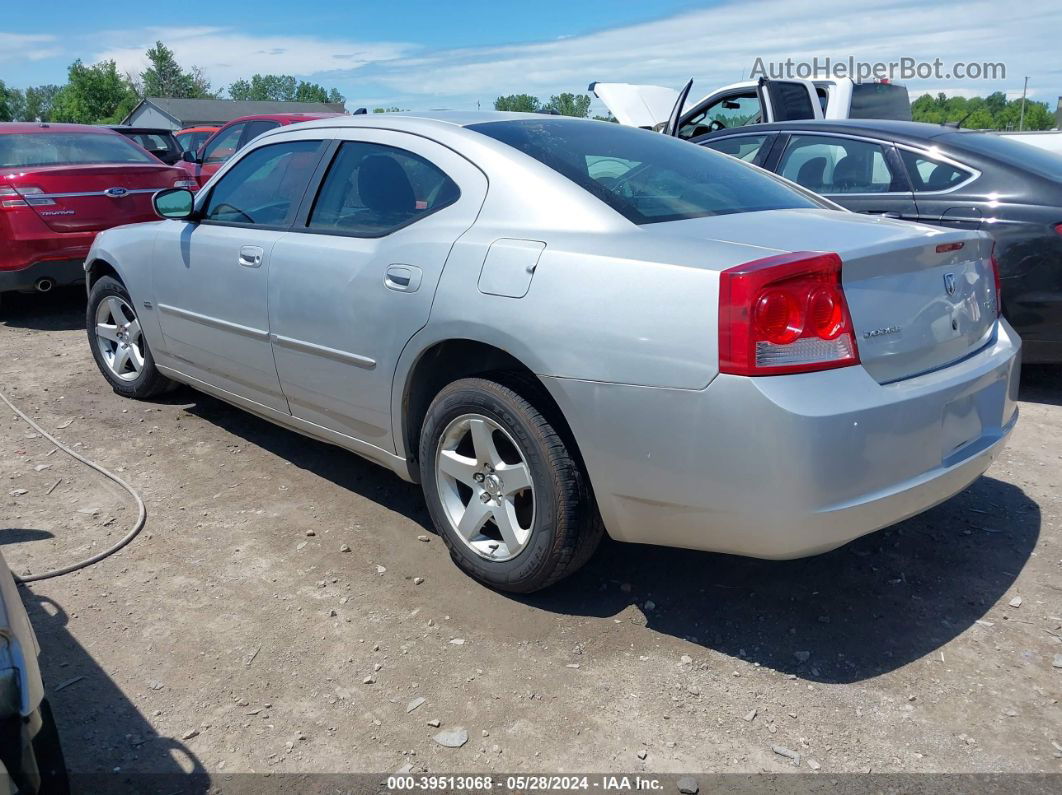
column 785, row 314
column 185, row 183
column 1058, row 228
column 25, row 196
column 998, row 281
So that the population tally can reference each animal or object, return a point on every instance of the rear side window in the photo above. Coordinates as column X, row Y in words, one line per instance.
column 931, row 175
column 880, row 101
column 833, row 165
column 264, row 188
column 256, row 128
column 646, row 177
column 743, row 147
column 19, row 150
column 371, row 190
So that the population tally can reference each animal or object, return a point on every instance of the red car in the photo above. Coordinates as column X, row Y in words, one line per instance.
column 60, row 184
column 233, row 136
column 191, row 138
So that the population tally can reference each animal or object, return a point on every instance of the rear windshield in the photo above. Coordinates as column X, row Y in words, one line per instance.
column 880, row 101
column 18, row 150
column 1005, row 149
column 645, row 176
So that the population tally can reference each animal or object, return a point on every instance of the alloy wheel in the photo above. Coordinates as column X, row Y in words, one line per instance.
column 119, row 338
column 485, row 487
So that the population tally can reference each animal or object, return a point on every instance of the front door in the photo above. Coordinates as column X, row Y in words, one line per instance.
column 355, row 279
column 211, row 275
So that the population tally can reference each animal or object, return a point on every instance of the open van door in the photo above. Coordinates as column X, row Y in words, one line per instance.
column 675, row 118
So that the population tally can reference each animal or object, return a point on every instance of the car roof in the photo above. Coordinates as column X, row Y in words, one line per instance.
column 290, row 118
column 897, row 130
column 138, row 129
column 450, row 118
column 48, row 127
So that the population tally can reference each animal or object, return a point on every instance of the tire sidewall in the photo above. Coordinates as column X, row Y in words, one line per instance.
column 531, row 564
column 144, row 384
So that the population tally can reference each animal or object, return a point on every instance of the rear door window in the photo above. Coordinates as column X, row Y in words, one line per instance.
column 835, row 165
column 929, row 175
column 264, row 188
column 256, row 128
column 371, row 190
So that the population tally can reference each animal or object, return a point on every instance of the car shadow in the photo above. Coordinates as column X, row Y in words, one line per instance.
column 18, row 535
column 1041, row 383
column 61, row 309
column 345, row 469
column 874, row 605
column 105, row 739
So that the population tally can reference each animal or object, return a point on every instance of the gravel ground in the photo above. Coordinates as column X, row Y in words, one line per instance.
column 271, row 617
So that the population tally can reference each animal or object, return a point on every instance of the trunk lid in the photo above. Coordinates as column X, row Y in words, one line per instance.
column 921, row 297
column 89, row 198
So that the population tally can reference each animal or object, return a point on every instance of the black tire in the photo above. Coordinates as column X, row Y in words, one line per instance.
column 150, row 382
column 566, row 528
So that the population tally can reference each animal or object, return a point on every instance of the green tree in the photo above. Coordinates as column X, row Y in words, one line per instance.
column 282, row 88
column 521, row 103
column 12, row 103
column 994, row 112
column 39, row 101
column 164, row 77
column 392, row 109
column 94, row 95
column 570, row 105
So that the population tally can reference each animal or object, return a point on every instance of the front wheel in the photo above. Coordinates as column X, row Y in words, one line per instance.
column 505, row 493
column 118, row 343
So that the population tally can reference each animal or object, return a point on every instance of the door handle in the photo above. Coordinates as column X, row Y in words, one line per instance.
column 251, row 256
column 403, row 278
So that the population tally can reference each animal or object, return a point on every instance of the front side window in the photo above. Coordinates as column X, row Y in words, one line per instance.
column 743, row 147
column 931, row 175
column 256, row 128
column 19, row 150
column 831, row 165
column 646, row 177
column 264, row 188
column 371, row 190
column 224, row 145
column 735, row 110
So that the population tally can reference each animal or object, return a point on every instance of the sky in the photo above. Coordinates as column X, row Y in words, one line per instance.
column 421, row 54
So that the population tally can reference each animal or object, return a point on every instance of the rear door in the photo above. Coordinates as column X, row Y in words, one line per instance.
column 789, row 100
column 750, row 148
column 861, row 174
column 355, row 279
column 211, row 275
column 936, row 182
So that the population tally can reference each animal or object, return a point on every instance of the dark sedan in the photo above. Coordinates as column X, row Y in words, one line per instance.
column 160, row 141
column 936, row 175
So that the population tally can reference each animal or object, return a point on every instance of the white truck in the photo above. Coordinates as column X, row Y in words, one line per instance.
column 751, row 102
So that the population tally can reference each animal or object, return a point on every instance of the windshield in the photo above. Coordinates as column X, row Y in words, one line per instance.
column 647, row 177
column 1007, row 150
column 18, row 150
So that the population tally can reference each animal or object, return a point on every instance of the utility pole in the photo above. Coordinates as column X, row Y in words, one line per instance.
column 1021, row 119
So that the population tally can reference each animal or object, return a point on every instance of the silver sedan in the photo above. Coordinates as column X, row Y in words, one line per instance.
column 564, row 327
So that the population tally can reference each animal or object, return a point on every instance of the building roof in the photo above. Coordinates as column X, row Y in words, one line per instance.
column 188, row 112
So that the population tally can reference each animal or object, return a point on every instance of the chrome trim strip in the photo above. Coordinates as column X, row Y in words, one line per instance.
column 213, row 322
column 320, row 350
column 90, row 193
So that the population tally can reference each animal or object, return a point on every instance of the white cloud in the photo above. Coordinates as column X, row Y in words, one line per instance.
column 226, row 55
column 27, row 46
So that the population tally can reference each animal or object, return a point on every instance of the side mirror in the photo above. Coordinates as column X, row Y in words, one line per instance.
column 189, row 157
column 176, row 203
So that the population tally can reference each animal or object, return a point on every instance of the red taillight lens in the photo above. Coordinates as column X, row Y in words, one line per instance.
column 998, row 280
column 784, row 314
column 24, row 196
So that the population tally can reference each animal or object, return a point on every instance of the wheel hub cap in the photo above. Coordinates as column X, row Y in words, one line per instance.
column 118, row 338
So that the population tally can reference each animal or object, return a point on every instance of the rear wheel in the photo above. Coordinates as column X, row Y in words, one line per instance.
column 118, row 342
column 506, row 495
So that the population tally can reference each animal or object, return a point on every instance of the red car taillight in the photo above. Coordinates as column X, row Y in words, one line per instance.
column 998, row 280
column 785, row 314
column 22, row 197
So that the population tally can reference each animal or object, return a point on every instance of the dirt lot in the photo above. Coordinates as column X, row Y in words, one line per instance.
column 236, row 634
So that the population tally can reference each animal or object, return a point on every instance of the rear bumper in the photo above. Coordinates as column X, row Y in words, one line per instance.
column 787, row 466
column 59, row 272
